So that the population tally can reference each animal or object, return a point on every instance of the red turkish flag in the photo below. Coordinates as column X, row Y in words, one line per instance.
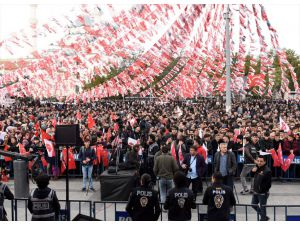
column 91, row 122
column 37, row 128
column 22, row 149
column 62, row 167
column 45, row 136
column 280, row 157
column 275, row 158
column 288, row 162
column 72, row 164
column 7, row 159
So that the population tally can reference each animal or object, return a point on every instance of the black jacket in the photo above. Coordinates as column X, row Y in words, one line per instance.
column 251, row 152
column 219, row 199
column 231, row 163
column 87, row 153
column 262, row 180
column 179, row 202
column 42, row 194
column 143, row 204
column 200, row 164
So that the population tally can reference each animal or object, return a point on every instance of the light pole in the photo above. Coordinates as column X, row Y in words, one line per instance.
column 227, row 53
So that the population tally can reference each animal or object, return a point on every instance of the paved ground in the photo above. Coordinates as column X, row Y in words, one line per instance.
column 281, row 194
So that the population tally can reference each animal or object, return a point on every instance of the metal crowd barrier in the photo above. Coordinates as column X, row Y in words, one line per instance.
column 115, row 211
column 17, row 209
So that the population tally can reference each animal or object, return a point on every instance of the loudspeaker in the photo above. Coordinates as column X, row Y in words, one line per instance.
column 68, row 135
column 81, row 217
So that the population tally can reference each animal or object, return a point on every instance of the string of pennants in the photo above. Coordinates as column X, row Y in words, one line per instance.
column 144, row 41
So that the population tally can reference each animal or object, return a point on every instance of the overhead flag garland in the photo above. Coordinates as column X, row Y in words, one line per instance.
column 162, row 50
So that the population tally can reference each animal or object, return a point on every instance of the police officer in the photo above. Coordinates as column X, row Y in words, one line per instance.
column 219, row 198
column 43, row 203
column 251, row 152
column 4, row 193
column 143, row 202
column 180, row 200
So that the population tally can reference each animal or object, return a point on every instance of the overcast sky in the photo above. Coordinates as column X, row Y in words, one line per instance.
column 285, row 18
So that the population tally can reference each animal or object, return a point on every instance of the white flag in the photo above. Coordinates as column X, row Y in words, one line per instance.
column 283, row 125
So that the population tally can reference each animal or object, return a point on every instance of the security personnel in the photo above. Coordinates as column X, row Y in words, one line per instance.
column 219, row 198
column 43, row 203
column 4, row 193
column 143, row 202
column 180, row 200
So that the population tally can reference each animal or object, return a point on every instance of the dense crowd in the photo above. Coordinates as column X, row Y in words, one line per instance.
column 171, row 142
column 201, row 122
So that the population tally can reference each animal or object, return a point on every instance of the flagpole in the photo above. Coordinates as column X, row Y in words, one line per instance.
column 227, row 53
column 67, row 186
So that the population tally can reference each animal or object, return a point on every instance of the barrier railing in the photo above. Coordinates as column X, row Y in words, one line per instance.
column 17, row 209
column 115, row 211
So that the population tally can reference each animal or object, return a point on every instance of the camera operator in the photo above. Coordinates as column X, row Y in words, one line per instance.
column 194, row 167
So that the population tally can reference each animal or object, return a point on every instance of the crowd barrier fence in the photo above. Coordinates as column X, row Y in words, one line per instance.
column 115, row 211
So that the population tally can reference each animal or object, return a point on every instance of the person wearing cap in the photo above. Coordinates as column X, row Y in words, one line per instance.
column 251, row 151
column 261, row 186
column 5, row 193
column 42, row 202
column 180, row 200
column 219, row 198
column 143, row 202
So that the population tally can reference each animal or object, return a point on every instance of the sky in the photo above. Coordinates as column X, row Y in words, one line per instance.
column 285, row 18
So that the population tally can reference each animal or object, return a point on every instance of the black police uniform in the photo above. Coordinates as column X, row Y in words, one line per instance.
column 43, row 205
column 179, row 202
column 143, row 204
column 219, row 199
column 4, row 193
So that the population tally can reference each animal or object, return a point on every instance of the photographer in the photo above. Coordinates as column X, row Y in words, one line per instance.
column 194, row 166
